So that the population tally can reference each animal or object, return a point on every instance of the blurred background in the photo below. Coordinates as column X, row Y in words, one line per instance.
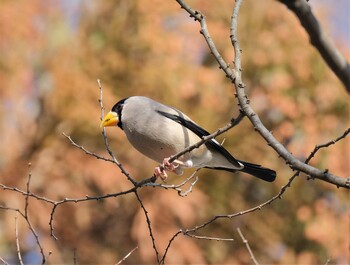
column 52, row 53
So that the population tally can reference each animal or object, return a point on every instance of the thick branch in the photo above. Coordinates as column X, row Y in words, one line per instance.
column 294, row 163
column 320, row 40
column 235, row 76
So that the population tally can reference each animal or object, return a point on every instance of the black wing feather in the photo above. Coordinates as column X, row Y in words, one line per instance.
column 200, row 132
column 250, row 168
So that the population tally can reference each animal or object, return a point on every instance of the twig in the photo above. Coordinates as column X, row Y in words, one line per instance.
column 127, row 255
column 256, row 208
column 17, row 242
column 178, row 187
column 86, row 151
column 318, row 147
column 208, row 237
column 3, row 261
column 149, row 226
column 207, row 138
column 75, row 259
column 205, row 32
column 292, row 161
column 245, row 241
column 84, row 199
column 106, row 140
column 235, row 77
column 25, row 215
column 27, row 186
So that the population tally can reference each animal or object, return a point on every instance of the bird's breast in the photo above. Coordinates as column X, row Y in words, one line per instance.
column 159, row 142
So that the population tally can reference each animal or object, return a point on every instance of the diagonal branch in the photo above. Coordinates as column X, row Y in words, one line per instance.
column 189, row 232
column 245, row 241
column 236, row 78
column 320, row 40
column 292, row 161
column 207, row 138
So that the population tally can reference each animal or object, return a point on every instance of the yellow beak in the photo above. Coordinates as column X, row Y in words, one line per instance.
column 111, row 119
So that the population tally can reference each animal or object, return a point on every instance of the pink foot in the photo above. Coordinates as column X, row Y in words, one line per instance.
column 169, row 166
column 159, row 172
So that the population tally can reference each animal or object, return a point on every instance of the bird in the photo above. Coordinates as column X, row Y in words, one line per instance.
column 159, row 131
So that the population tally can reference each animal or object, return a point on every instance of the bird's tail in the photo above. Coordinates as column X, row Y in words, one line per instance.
column 258, row 171
column 252, row 169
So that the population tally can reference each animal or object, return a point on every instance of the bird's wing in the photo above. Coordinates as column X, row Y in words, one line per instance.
column 200, row 132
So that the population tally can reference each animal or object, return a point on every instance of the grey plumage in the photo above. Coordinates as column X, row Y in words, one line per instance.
column 159, row 131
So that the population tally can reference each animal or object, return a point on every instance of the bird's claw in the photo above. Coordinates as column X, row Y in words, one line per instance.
column 159, row 172
column 169, row 166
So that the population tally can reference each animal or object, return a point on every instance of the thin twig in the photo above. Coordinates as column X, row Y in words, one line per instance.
column 205, row 32
column 75, row 258
column 292, row 161
column 25, row 214
column 245, row 241
column 27, row 186
column 17, row 242
column 235, row 77
column 319, row 146
column 208, row 237
column 84, row 199
column 178, row 187
column 3, row 261
column 207, row 138
column 127, row 255
column 125, row 173
column 149, row 226
column 256, row 208
column 86, row 151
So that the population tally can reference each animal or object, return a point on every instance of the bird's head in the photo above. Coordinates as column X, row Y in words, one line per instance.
column 113, row 118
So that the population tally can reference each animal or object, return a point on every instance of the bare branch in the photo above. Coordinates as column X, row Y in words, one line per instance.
column 149, row 226
column 3, row 261
column 208, row 237
column 327, row 261
column 17, row 242
column 320, row 146
column 75, row 256
column 25, row 215
column 178, row 187
column 236, row 79
column 86, row 151
column 245, row 241
column 77, row 200
column 259, row 207
column 27, row 186
column 127, row 255
column 320, row 40
column 205, row 32
column 106, row 140
column 292, row 161
column 205, row 139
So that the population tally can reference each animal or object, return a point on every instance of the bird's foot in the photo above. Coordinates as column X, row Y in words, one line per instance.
column 170, row 166
column 159, row 172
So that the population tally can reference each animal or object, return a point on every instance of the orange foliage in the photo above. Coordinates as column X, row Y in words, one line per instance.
column 48, row 70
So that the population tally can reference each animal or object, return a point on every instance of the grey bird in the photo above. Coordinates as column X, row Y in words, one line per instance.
column 159, row 131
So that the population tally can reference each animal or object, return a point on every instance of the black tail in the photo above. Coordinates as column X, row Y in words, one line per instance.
column 259, row 171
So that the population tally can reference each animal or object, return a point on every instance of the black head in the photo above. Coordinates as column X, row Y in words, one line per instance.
column 117, row 108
